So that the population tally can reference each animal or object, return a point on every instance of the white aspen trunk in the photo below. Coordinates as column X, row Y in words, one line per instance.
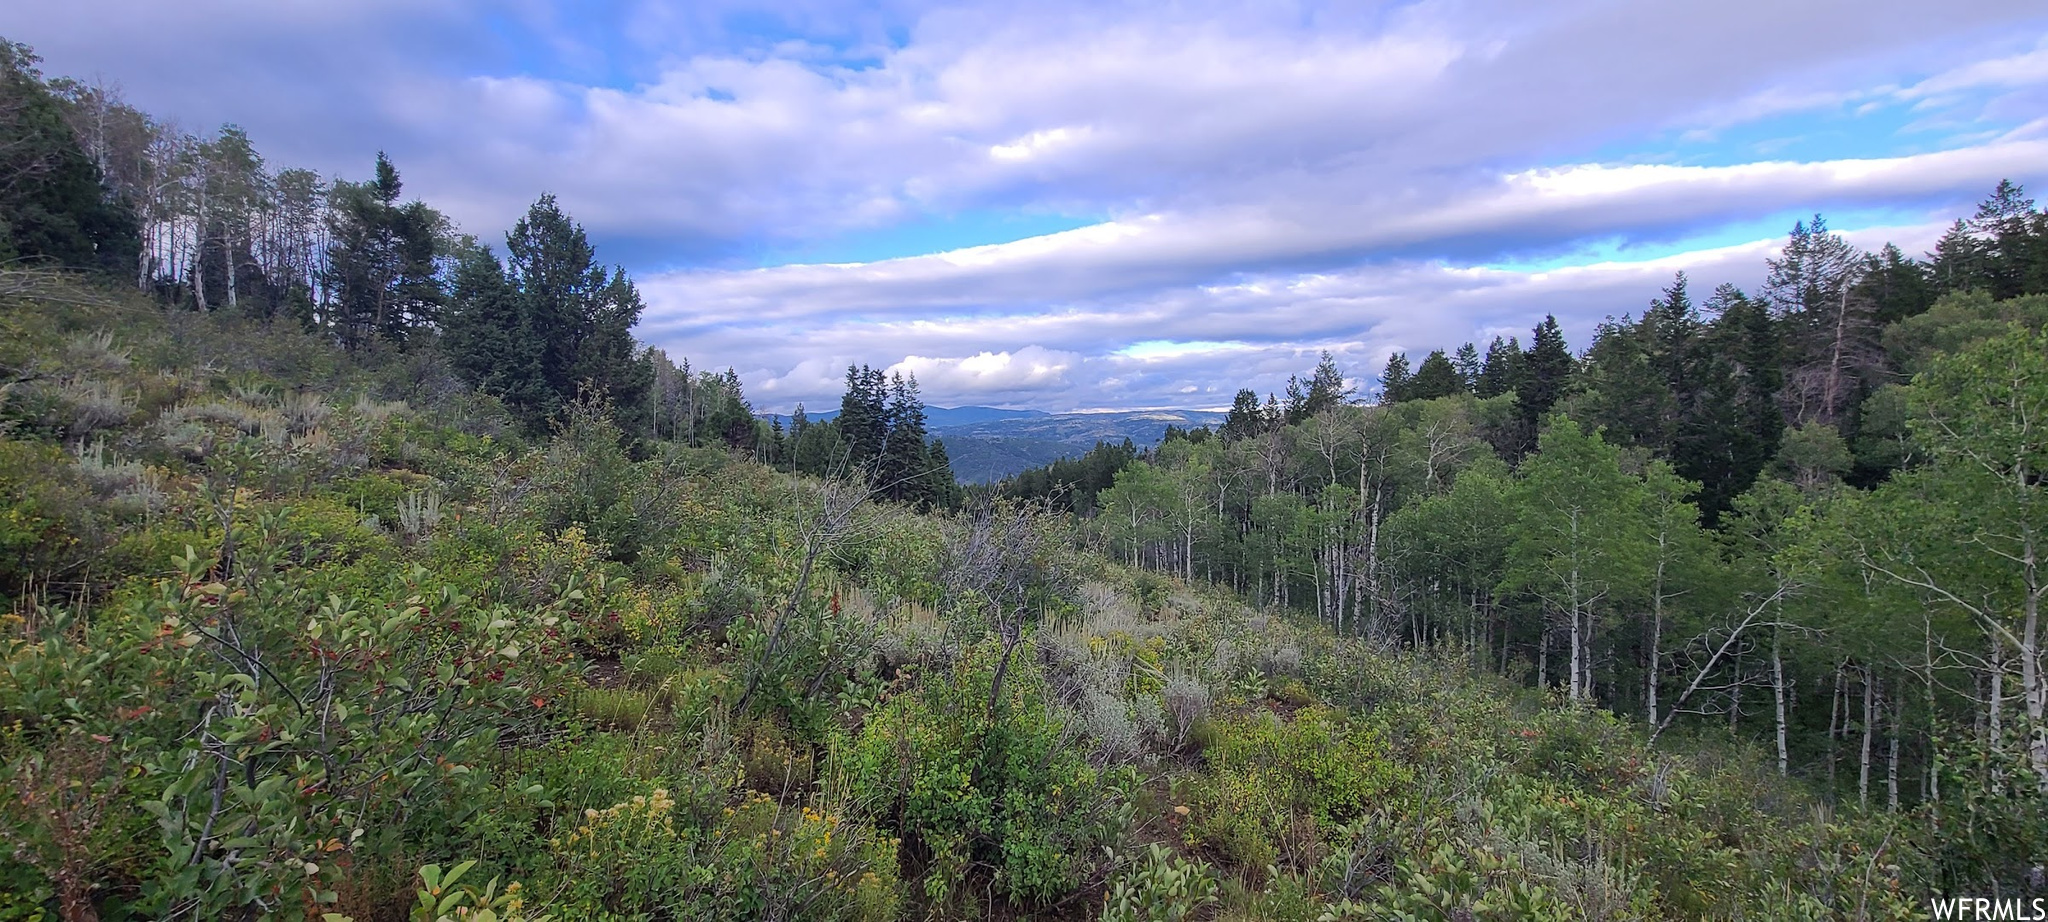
column 199, row 248
column 227, row 252
column 1869, row 736
column 1655, row 670
column 1834, row 725
column 1735, row 696
column 1834, row 386
column 1372, row 553
column 2032, row 682
column 1995, row 701
column 1891, row 770
column 1932, row 774
column 1577, row 650
column 1778, row 694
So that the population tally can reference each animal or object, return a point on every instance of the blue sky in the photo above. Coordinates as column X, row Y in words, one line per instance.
column 1068, row 205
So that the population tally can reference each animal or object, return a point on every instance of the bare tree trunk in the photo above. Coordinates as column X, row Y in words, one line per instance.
column 1778, row 693
column 1891, row 771
column 1835, row 724
column 1994, row 703
column 1735, row 695
column 2031, row 679
column 1576, row 638
column 1869, row 736
column 227, row 253
column 1656, row 667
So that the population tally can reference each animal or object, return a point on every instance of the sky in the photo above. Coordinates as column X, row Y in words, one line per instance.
column 1091, row 205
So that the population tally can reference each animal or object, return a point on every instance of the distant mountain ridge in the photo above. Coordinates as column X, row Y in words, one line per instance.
column 989, row 450
column 986, row 444
column 934, row 417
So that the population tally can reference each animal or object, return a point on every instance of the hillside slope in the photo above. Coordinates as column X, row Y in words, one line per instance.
column 289, row 623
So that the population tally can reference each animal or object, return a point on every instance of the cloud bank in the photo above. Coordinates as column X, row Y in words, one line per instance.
column 1247, row 184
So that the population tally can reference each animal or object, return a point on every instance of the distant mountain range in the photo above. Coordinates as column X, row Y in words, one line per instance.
column 989, row 443
column 939, row 417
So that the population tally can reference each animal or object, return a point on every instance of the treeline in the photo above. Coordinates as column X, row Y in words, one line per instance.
column 88, row 182
column 878, row 431
column 1814, row 514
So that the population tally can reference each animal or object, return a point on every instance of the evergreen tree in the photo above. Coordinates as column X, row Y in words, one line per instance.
column 1620, row 393
column 1395, row 379
column 1899, row 286
column 1501, row 369
column 1831, row 334
column 1468, row 365
column 382, row 260
column 732, row 419
column 1245, row 420
column 1730, row 424
column 1325, row 389
column 1436, row 377
column 1957, row 263
column 941, row 489
column 1546, row 372
column 53, row 206
column 573, row 328
column 905, row 456
column 864, row 417
column 488, row 338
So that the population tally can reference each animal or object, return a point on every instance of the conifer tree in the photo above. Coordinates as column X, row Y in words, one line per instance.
column 1546, row 372
column 574, row 323
column 1436, row 377
column 1246, row 420
column 1468, row 364
column 1501, row 368
column 1394, row 380
column 53, row 206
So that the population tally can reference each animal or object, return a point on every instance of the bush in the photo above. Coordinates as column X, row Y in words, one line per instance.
column 1159, row 887
column 51, row 525
column 1273, row 784
column 968, row 788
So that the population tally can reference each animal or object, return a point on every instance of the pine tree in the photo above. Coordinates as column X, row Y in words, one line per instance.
column 1957, row 263
column 1501, row 369
column 2013, row 253
column 1436, row 377
column 489, row 340
column 573, row 328
column 1323, row 389
column 903, row 470
column 864, row 418
column 53, row 206
column 382, row 259
column 1814, row 284
column 1729, row 429
column 1245, row 420
column 1546, row 372
column 1620, row 392
column 1468, row 365
column 1394, row 380
column 1898, row 285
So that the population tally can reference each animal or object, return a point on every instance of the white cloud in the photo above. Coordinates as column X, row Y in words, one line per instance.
column 1278, row 178
column 2025, row 69
column 1029, row 368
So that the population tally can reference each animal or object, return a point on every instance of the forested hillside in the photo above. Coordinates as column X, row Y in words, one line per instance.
column 361, row 569
column 1810, row 519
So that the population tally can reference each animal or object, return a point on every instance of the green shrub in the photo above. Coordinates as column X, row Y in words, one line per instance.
column 1271, row 785
column 966, row 787
column 51, row 524
column 614, row 708
column 1159, row 887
